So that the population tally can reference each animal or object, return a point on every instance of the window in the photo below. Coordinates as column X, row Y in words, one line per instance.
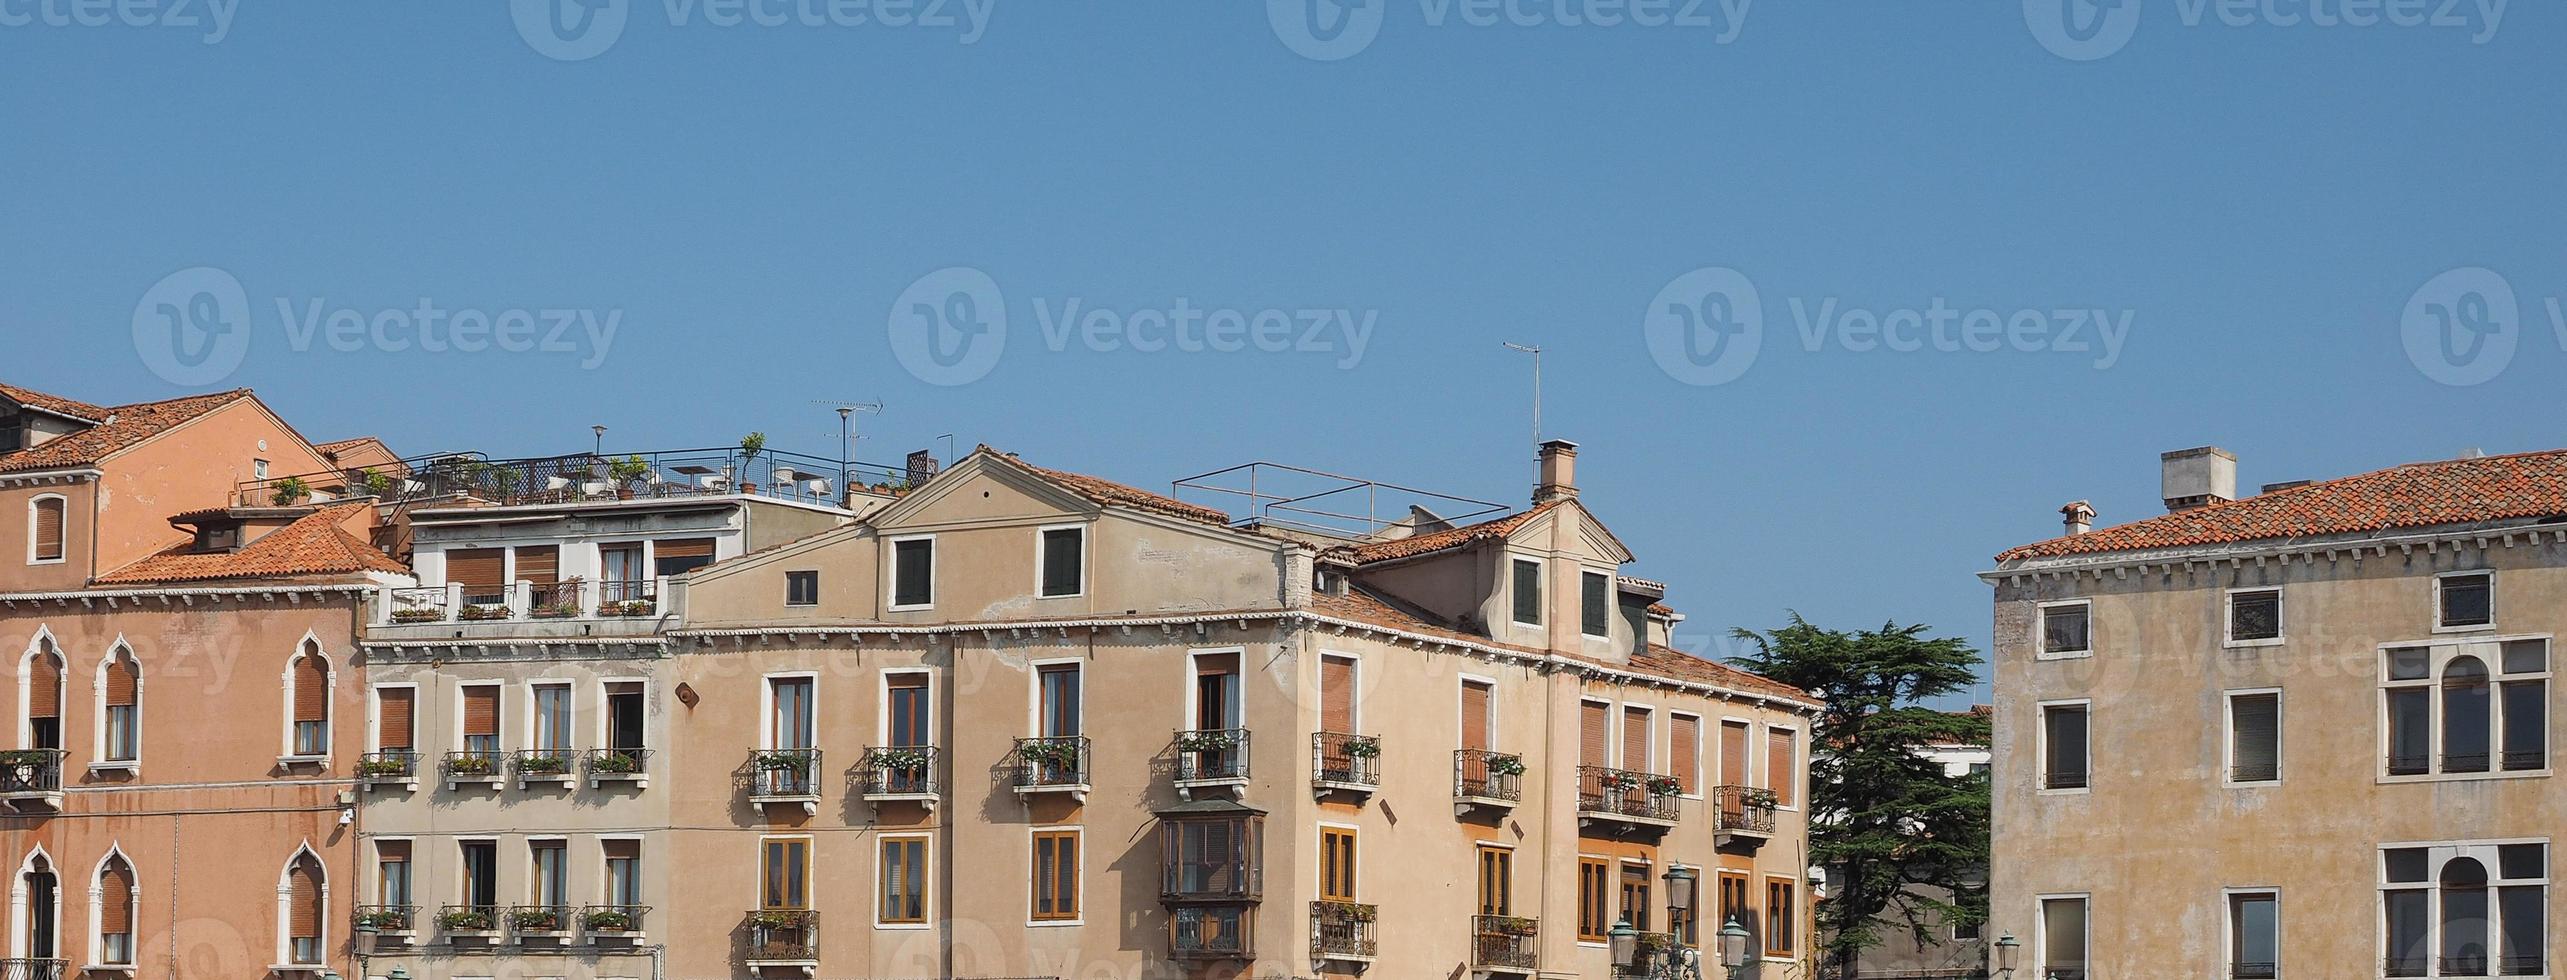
column 1060, row 697
column 1734, row 738
column 789, row 724
column 1684, row 751
column 2063, row 750
column 626, row 716
column 1212, row 858
column 115, row 915
column 306, row 885
column 1595, row 892
column 2466, row 910
column 1056, row 876
column 44, row 696
column 45, row 530
column 308, row 691
column 2254, row 616
column 392, row 873
column 1336, row 864
column 1497, row 881
column 907, row 711
column 913, row 573
column 481, row 572
column 2255, row 737
column 1635, row 896
column 481, row 720
column 480, row 872
column 2465, row 600
column 1782, row 765
column 1782, row 916
column 623, row 856
column 2063, row 938
column 2066, row 630
column 1968, row 932
column 802, row 588
column 258, row 469
column 120, row 683
column 1595, row 604
column 785, row 863
column 680, row 556
column 623, row 577
column 2467, row 709
column 394, row 711
column 1739, row 906
column 1063, row 562
column 904, row 881
column 1636, row 724
column 1528, row 592
column 552, row 717
column 550, row 886
column 1338, row 679
column 2254, row 935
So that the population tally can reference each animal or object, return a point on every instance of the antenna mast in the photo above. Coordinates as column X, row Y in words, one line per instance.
column 1537, row 384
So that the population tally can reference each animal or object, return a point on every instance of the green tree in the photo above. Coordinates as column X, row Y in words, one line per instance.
column 1905, row 844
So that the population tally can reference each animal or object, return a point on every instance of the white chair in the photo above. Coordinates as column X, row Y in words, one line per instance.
column 819, row 489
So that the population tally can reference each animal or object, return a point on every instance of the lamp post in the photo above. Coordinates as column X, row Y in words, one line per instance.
column 1673, row 962
column 2008, row 950
column 1733, row 949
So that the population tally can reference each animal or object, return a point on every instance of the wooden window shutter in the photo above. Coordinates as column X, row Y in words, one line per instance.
column 905, row 681
column 683, row 548
column 124, row 681
column 49, row 523
column 311, row 687
column 44, row 687
column 481, row 711
column 1635, row 739
column 1781, row 768
column 1733, row 753
column 1595, row 746
column 1337, row 695
column 478, row 570
column 1475, row 715
column 540, row 564
column 391, row 851
column 621, row 848
column 1684, row 748
column 303, row 912
column 396, row 708
column 116, row 898
column 1214, row 664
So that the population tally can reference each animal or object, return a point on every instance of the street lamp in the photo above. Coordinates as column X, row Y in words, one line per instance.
column 1680, row 892
column 1733, row 948
column 2008, row 950
column 1623, row 940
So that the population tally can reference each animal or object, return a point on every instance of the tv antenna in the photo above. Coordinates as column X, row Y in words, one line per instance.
column 1537, row 383
column 847, row 411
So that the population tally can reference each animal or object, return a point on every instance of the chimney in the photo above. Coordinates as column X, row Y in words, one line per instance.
column 922, row 467
column 2197, row 478
column 1559, row 472
column 2081, row 517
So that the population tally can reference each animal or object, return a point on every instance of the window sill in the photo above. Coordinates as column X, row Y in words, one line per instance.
column 930, row 607
column 1056, row 924
column 49, row 561
column 900, row 926
column 2078, row 791
column 2075, row 655
column 2480, row 628
column 2251, row 644
column 124, row 968
column 2465, row 777
column 291, row 761
column 127, row 768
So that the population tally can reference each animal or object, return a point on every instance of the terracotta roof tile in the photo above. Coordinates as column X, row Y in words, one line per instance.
column 1686, row 666
column 2419, row 495
column 332, row 448
column 55, row 404
column 1411, row 547
column 313, row 545
column 1110, row 493
column 121, row 428
column 1364, row 607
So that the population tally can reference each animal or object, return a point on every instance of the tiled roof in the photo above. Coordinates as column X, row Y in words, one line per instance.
column 313, row 545
column 1411, row 547
column 334, row 448
column 56, row 404
column 121, row 428
column 1112, row 494
column 2419, row 495
column 1685, row 666
column 1364, row 607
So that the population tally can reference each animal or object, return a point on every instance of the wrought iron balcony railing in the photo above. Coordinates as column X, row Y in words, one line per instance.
column 613, row 921
column 1626, row 793
column 1211, row 932
column 1743, row 810
column 544, row 763
column 1213, row 754
column 387, row 918
column 539, row 920
column 1052, row 762
column 24, row 771
column 1505, row 942
column 32, row 969
column 475, row 764
column 1479, row 774
column 1343, row 931
column 898, row 770
column 469, row 918
column 784, row 773
column 618, row 763
column 781, row 935
column 1338, row 759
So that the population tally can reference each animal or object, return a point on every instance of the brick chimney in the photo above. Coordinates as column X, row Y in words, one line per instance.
column 2080, row 517
column 2197, row 478
column 1559, row 472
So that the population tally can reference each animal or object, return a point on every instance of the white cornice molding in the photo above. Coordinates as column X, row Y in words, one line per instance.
column 42, row 478
column 266, row 593
column 2121, row 564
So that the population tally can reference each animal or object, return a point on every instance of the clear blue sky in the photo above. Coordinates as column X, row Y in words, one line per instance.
column 2262, row 200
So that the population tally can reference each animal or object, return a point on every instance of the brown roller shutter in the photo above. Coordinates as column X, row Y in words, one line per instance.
column 541, row 565
column 1337, row 695
column 1780, row 766
column 116, row 898
column 1213, row 664
column 1635, row 739
column 620, row 848
column 44, row 689
column 1475, row 715
column 1595, row 746
column 396, row 707
column 481, row 711
column 303, row 912
column 124, row 681
column 683, row 548
column 1733, row 753
column 311, row 687
column 1684, row 749
column 478, row 570
column 49, row 515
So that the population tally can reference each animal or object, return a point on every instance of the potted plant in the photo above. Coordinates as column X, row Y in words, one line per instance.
column 1506, row 765
column 628, row 608
column 536, row 919
column 907, row 761
column 380, row 768
column 1052, row 758
column 628, row 474
column 384, row 919
column 609, row 920
column 467, row 920
column 482, row 614
column 545, row 764
column 469, row 765
column 1207, row 741
column 1507, row 925
column 616, row 763
column 1364, row 747
column 410, row 616
column 775, row 919
column 1665, row 786
column 750, row 446
column 290, row 491
column 783, row 759
column 376, row 484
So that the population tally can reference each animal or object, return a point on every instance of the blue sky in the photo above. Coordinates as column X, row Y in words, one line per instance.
column 2256, row 203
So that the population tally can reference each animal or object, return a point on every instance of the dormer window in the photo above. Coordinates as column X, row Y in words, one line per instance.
column 13, row 428
column 223, row 538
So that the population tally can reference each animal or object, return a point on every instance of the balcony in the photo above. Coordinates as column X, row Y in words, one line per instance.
column 1212, row 932
column 1626, row 799
column 1343, row 932
column 605, row 606
column 1486, row 780
column 1505, row 944
column 479, row 767
column 785, row 939
column 1213, row 758
column 32, row 969
column 388, row 923
column 619, row 766
column 899, row 774
column 542, row 923
column 1742, row 814
column 31, row 782
column 390, row 767
column 469, row 923
column 1341, row 763
column 788, row 776
column 614, row 923
column 551, row 766
column 1053, row 764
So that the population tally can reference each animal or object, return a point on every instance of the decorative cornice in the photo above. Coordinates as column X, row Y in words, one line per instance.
column 112, row 597
column 41, row 478
column 2260, row 553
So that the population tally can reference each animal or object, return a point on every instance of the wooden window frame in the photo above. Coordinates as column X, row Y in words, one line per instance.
column 1595, row 894
column 1496, row 860
column 1333, row 837
column 923, row 873
column 1067, row 892
column 795, row 592
column 810, row 849
column 1776, row 929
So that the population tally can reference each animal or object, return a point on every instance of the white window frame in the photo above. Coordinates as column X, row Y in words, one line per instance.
column 98, row 907
column 2228, row 619
column 534, row 711
column 766, row 706
column 1800, row 752
column 1355, row 703
column 1034, row 698
column 32, row 504
column 2228, row 932
column 2494, row 614
column 603, row 731
column 2485, row 852
column 882, row 703
column 2041, row 630
column 2228, row 739
column 1622, row 737
column 606, row 869
column 535, row 884
column 2041, row 929
column 891, row 573
column 2041, row 756
column 22, row 918
column 1701, row 785
column 2490, row 651
column 1465, row 681
column 1078, row 881
column 329, row 709
column 462, row 688
column 1042, row 560
column 1541, row 589
column 1583, row 575
column 1319, row 868
column 41, row 644
column 374, row 715
column 285, row 906
column 1186, row 721
column 927, row 856
column 373, row 871
column 99, row 762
